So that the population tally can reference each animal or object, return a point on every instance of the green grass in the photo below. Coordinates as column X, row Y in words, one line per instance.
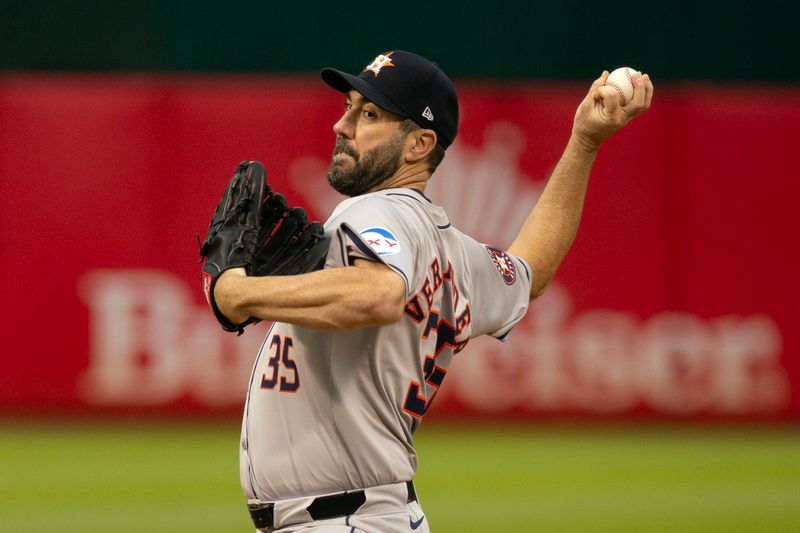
column 184, row 478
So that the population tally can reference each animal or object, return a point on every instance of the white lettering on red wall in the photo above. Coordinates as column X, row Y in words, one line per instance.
column 151, row 344
column 606, row 361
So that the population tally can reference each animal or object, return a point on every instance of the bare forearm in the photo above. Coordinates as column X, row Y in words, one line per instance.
column 550, row 229
column 328, row 300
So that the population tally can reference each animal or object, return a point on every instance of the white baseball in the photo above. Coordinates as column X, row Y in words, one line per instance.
column 620, row 79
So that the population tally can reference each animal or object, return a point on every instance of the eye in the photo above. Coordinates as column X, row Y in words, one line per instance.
column 369, row 114
column 347, row 105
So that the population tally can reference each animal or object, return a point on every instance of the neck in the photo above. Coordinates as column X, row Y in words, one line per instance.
column 413, row 176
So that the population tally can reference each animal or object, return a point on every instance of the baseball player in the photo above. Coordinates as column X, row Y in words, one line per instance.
column 359, row 349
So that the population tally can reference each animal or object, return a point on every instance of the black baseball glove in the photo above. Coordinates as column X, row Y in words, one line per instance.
column 253, row 227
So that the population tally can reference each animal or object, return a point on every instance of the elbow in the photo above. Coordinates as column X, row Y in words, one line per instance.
column 385, row 307
column 542, row 273
column 377, row 300
column 385, row 300
column 376, row 308
column 537, row 288
column 535, row 293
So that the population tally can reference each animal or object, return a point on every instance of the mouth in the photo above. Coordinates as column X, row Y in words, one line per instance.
column 342, row 149
column 342, row 157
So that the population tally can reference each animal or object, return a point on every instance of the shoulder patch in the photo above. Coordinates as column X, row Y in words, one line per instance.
column 503, row 263
column 382, row 241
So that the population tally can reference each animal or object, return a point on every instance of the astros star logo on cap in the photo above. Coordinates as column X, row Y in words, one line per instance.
column 408, row 85
column 379, row 62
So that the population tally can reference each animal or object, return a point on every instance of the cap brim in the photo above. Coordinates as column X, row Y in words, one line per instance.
column 344, row 82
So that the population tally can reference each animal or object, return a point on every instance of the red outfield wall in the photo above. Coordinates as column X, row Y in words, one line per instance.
column 679, row 297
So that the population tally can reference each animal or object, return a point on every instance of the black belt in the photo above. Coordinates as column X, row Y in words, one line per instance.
column 322, row 508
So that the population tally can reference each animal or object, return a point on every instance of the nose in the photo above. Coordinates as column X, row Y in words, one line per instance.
column 343, row 127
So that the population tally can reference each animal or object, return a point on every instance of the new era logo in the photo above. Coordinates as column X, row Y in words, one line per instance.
column 428, row 114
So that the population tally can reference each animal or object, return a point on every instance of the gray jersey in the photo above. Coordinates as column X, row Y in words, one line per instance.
column 329, row 412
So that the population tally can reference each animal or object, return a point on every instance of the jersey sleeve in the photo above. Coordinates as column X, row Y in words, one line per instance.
column 502, row 289
column 373, row 229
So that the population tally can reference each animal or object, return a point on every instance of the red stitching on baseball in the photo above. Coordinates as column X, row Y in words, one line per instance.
column 622, row 99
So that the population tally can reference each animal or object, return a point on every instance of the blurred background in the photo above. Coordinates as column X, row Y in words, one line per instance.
column 654, row 387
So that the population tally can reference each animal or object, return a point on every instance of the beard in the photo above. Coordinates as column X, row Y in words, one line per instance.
column 369, row 169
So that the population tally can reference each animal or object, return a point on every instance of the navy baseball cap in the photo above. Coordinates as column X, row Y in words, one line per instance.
column 408, row 85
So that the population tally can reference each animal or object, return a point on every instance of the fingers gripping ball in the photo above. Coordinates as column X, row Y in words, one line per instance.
column 621, row 80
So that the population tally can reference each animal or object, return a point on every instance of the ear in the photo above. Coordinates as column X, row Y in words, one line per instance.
column 419, row 144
